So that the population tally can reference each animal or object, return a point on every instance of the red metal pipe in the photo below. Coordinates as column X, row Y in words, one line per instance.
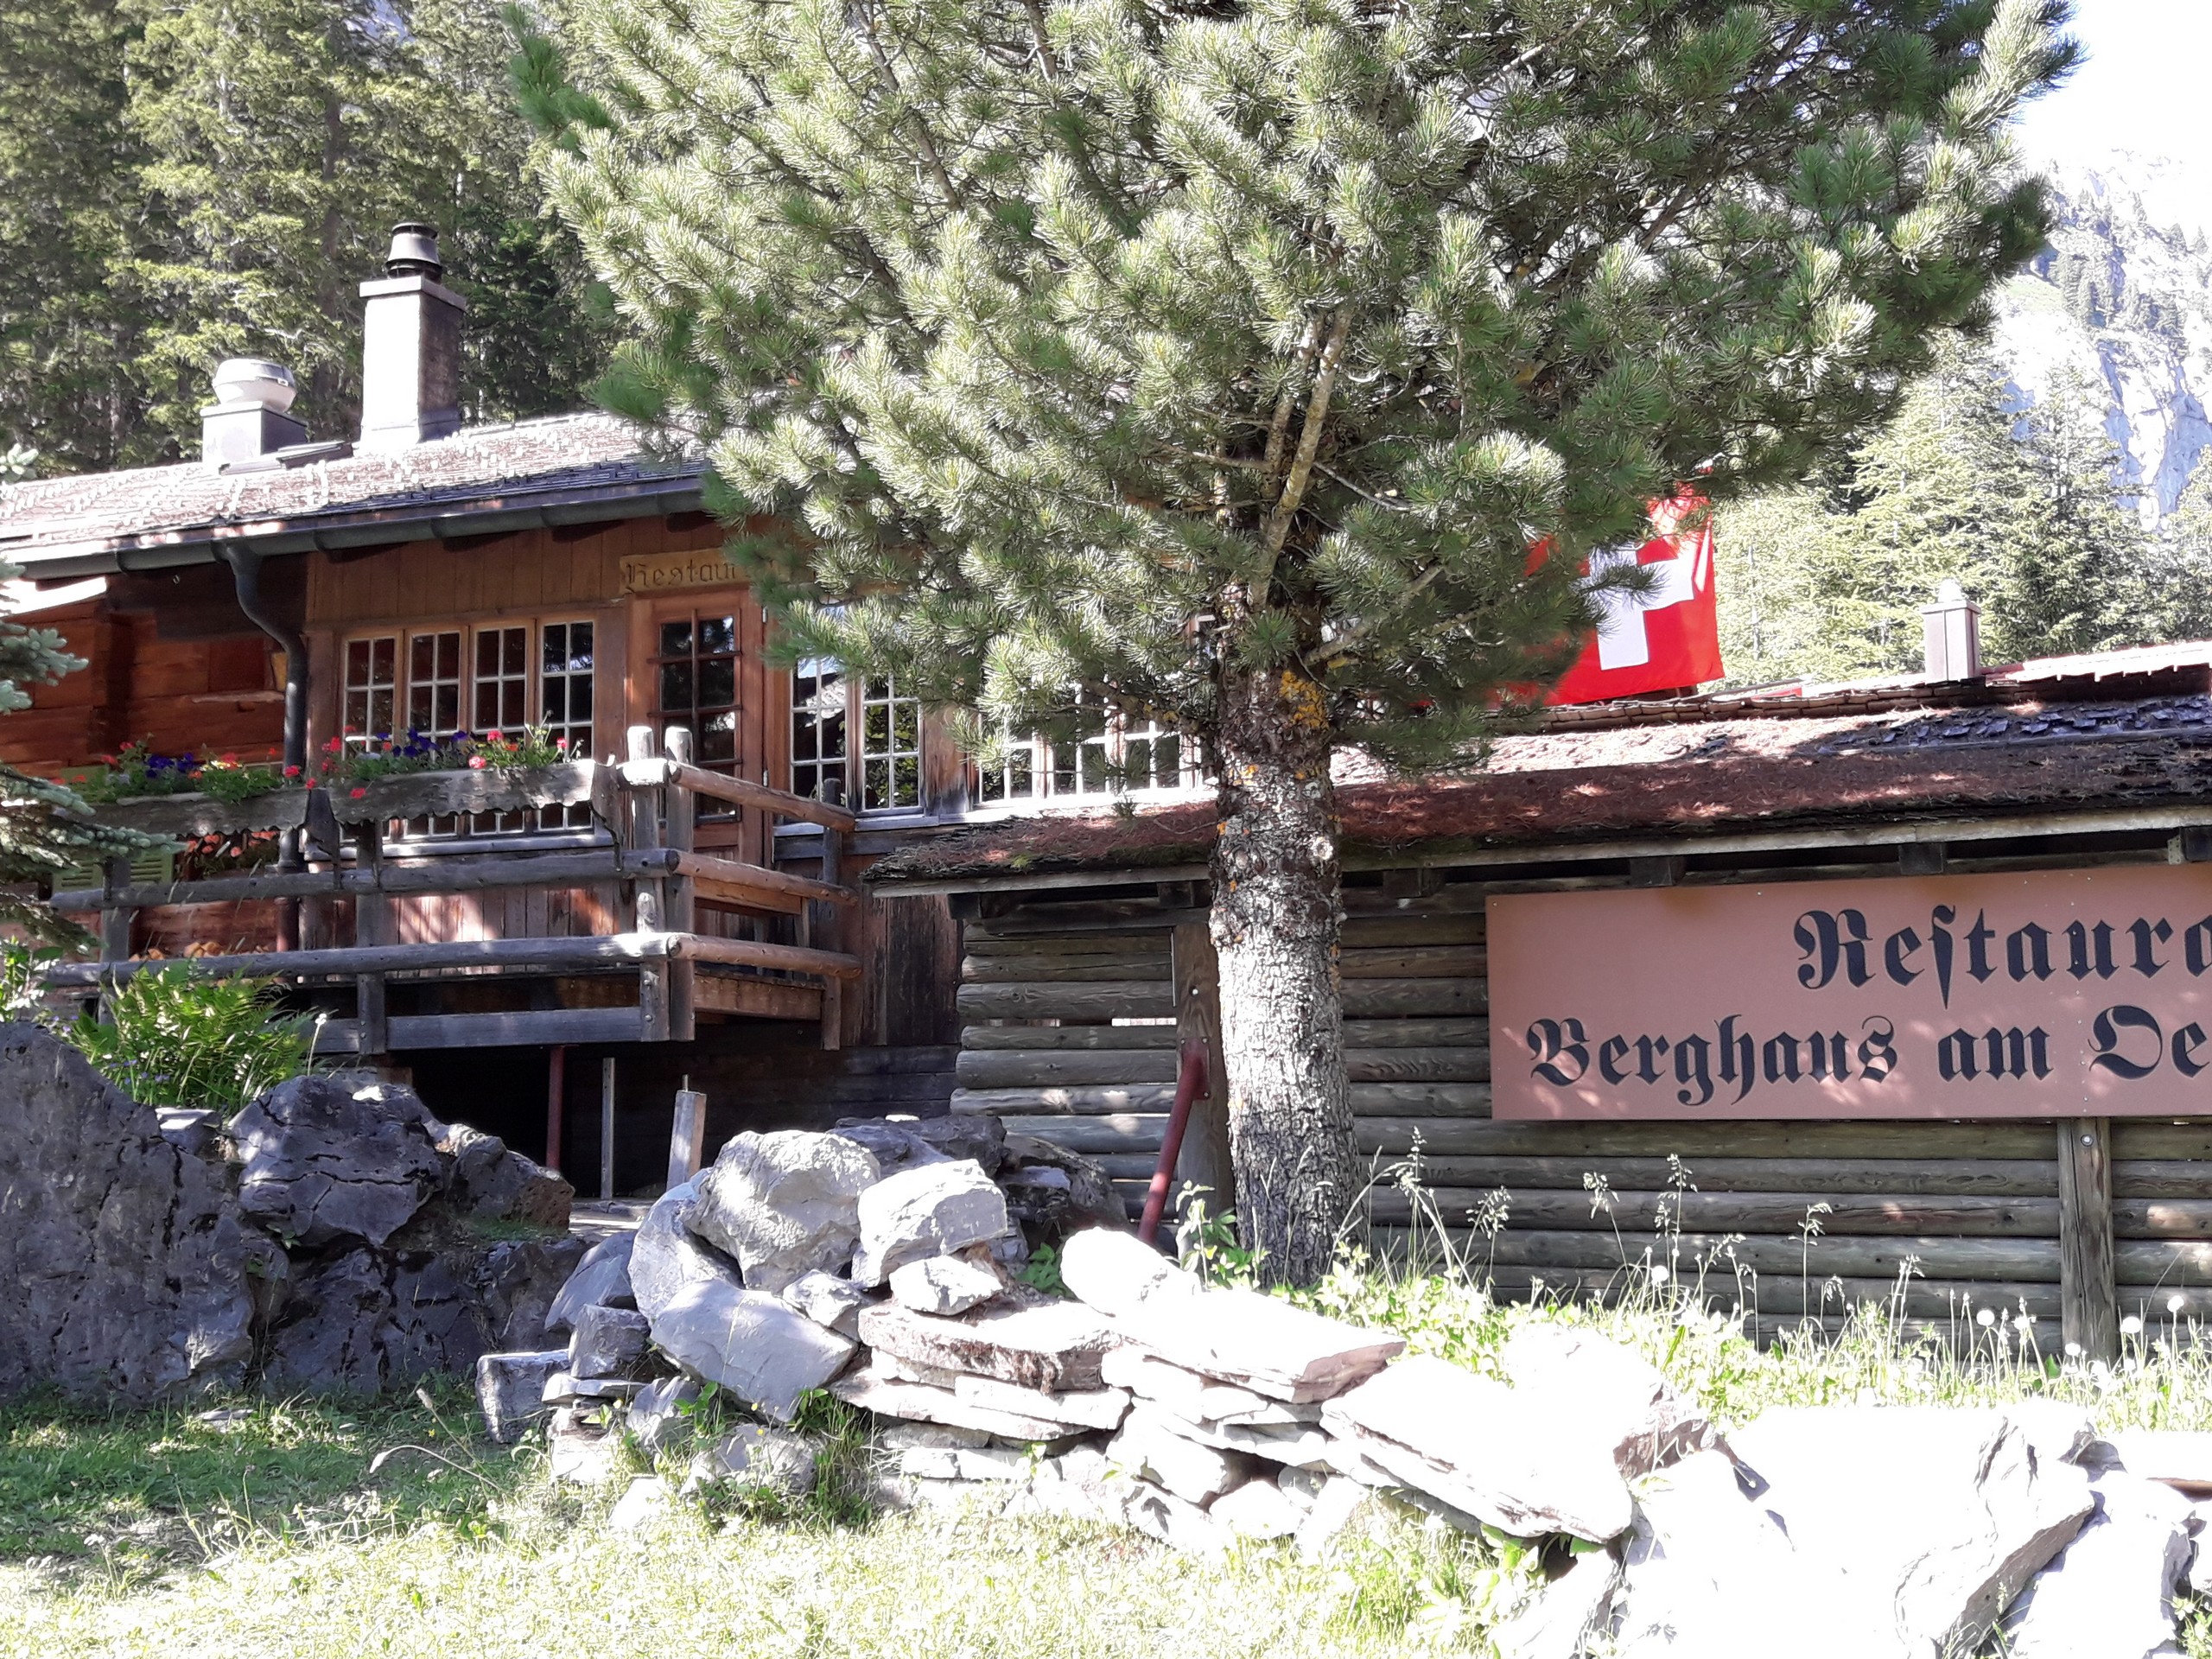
column 1190, row 1083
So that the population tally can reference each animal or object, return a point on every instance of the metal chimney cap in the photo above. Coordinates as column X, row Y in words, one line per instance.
column 414, row 251
column 1948, row 592
column 255, row 380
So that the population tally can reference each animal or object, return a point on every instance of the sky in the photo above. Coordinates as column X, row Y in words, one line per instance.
column 2143, row 89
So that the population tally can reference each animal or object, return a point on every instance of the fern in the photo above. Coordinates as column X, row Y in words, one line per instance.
column 172, row 1039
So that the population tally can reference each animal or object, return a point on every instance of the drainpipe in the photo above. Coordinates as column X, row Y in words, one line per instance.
column 245, row 572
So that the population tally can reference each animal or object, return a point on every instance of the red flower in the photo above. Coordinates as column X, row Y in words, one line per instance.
column 226, row 760
column 494, row 735
column 291, row 772
column 361, row 794
column 333, row 746
column 477, row 763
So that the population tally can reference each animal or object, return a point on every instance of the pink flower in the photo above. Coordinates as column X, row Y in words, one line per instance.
column 291, row 772
column 494, row 735
column 560, row 742
column 226, row 760
column 361, row 794
column 477, row 763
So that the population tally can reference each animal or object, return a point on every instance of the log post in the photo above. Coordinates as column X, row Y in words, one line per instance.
column 557, row 1099
column 687, row 1136
column 371, row 925
column 2089, row 1299
column 655, row 997
column 115, row 919
column 822, row 919
column 1205, row 1158
column 682, row 912
column 606, row 1128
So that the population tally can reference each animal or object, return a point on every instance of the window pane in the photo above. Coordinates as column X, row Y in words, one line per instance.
column 386, row 652
column 718, row 739
column 514, row 651
column 675, row 639
column 717, row 684
column 357, row 662
column 676, row 688
column 717, row 636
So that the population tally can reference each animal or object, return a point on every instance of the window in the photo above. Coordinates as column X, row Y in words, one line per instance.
column 434, row 684
column 695, row 685
column 1111, row 755
column 818, row 729
column 501, row 698
column 891, row 747
column 564, row 705
column 371, row 689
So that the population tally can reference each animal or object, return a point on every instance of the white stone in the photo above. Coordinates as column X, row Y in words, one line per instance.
column 1149, row 1445
column 1095, row 1408
column 667, row 1257
column 1931, row 1519
column 1260, row 1343
column 1258, row 1509
column 1302, row 1445
column 2109, row 1594
column 643, row 1501
column 1336, row 1508
column 659, row 1410
column 2180, row 1458
column 1198, row 1398
column 965, row 1463
column 753, row 1458
column 1022, row 1337
column 931, row 1209
column 1114, row 1271
column 943, row 1284
column 1176, row 1522
column 866, row 1388
column 1614, row 1394
column 750, row 1344
column 1302, row 1486
column 828, row 1301
column 1519, row 1462
column 898, row 1436
column 1564, row 1617
column 580, row 1457
column 783, row 1204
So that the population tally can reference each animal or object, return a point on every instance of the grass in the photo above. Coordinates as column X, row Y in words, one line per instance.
column 312, row 1529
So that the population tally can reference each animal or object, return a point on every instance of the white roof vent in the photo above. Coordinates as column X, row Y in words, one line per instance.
column 247, row 421
column 1950, row 632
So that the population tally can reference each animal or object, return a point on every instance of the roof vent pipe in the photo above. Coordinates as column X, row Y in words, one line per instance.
column 411, row 347
column 248, row 420
column 1950, row 631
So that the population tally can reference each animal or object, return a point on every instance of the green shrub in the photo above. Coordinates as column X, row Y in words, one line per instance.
column 173, row 1039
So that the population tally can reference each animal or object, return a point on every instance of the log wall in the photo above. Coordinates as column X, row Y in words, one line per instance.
column 1067, row 1012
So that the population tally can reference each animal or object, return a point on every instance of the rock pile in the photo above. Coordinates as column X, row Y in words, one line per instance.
column 1203, row 1416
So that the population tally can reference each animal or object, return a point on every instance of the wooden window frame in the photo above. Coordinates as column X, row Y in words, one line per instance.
column 863, row 698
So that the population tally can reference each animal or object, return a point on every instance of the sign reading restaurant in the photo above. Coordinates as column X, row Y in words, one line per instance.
column 2055, row 994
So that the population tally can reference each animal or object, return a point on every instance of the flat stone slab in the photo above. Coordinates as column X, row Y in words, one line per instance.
column 1149, row 1445
column 866, row 1388
column 930, row 1210
column 601, row 1279
column 751, row 1344
column 942, row 1285
column 1038, row 1344
column 1258, row 1343
column 1198, row 1397
column 1519, row 1463
column 1615, row 1395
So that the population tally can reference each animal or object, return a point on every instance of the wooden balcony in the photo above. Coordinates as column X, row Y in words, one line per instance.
column 696, row 933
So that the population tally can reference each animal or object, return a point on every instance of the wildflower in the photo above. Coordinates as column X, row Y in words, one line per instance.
column 477, row 763
column 2073, row 1351
column 2175, row 1303
column 1661, row 1275
column 1986, row 1318
column 2131, row 1326
column 561, row 743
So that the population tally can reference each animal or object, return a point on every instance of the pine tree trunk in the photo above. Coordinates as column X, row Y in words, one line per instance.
column 1275, row 922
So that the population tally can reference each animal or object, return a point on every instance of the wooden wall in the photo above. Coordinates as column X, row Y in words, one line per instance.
column 1974, row 1206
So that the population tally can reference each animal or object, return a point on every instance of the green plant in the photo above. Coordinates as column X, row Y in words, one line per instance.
column 1208, row 1244
column 1042, row 1271
column 171, row 1038
column 23, row 968
column 137, row 770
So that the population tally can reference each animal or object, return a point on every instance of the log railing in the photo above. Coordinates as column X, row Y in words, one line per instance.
column 647, row 806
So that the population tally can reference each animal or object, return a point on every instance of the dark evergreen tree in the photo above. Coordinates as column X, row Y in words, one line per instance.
column 1225, row 361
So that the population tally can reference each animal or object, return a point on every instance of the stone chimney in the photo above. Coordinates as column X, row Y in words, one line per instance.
column 1950, row 631
column 411, row 347
column 247, row 422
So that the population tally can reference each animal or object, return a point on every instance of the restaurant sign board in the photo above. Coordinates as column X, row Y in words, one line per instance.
column 2050, row 993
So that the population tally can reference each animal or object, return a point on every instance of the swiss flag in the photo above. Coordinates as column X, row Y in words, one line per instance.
column 1667, row 636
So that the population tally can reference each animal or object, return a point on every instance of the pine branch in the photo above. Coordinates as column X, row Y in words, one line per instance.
column 1309, row 446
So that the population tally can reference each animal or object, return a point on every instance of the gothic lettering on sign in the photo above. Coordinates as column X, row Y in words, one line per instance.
column 2050, row 993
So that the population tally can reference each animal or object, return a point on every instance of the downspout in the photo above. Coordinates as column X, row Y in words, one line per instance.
column 245, row 572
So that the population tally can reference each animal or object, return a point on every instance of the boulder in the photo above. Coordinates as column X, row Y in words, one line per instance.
column 643, row 1502
column 1114, row 1272
column 748, row 1342
column 977, row 1137
column 1567, row 1614
column 943, row 1284
column 1022, row 1338
column 1258, row 1342
column 666, row 1257
column 324, row 1161
column 2109, row 1594
column 783, row 1204
column 1150, row 1444
column 933, row 1209
column 1523, row 1465
column 1931, row 1519
column 1198, row 1398
column 892, row 1145
column 1613, row 1393
column 658, row 1412
column 601, row 1279
column 1258, row 1510
column 867, row 1388
column 130, row 1272
column 1052, row 1191
column 609, row 1342
column 752, row 1459
column 511, row 1389
column 578, row 1454
column 491, row 1181
column 828, row 1300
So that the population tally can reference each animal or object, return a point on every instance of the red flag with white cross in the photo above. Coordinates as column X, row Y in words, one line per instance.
column 1665, row 638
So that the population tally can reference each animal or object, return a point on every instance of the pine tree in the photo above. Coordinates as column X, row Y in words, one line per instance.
column 1223, row 362
column 2174, row 598
column 2072, row 580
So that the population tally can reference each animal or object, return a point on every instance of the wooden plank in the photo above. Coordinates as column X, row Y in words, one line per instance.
column 2033, row 1261
column 687, row 1136
column 393, row 958
column 2161, row 1178
column 1368, row 999
column 372, row 927
column 680, row 894
column 1368, row 932
column 1822, row 1139
column 1786, row 1295
column 2162, row 1218
column 649, row 904
column 2090, row 1309
column 1065, row 969
column 2025, row 1177
column 2159, row 1264
column 455, row 871
column 1044, row 1068
column 717, row 874
column 1420, row 1099
column 654, row 774
column 1119, row 999
column 756, row 999
column 1098, row 1098
column 981, row 942
column 2136, row 1139
column 1135, row 1134
column 1205, row 1160
column 184, row 816
column 1847, row 1213
column 495, row 789
column 606, row 1128
column 752, row 953
column 1417, row 1064
column 1414, row 961
column 527, row 1029
column 1066, row 1039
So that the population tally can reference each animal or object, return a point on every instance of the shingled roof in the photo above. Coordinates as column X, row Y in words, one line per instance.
column 2021, row 742
column 150, row 516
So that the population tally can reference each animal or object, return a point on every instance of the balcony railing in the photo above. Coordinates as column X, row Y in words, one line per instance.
column 658, row 880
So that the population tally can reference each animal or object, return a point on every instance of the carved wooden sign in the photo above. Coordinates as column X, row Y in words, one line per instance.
column 669, row 573
column 2052, row 994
